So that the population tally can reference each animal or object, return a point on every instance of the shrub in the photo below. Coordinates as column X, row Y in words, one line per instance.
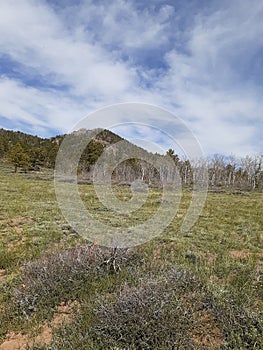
column 158, row 314
column 60, row 275
column 174, row 310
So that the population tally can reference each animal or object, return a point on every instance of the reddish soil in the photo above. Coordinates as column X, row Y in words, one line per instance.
column 2, row 275
column 64, row 314
column 207, row 336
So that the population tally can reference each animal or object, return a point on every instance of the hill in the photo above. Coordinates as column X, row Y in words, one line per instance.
column 32, row 153
column 28, row 151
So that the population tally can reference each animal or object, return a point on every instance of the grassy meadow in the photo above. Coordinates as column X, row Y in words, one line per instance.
column 199, row 290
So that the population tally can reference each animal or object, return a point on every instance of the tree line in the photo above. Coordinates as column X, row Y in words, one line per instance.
column 27, row 152
column 31, row 153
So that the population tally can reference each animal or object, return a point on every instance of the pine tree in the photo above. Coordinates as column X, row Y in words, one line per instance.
column 19, row 157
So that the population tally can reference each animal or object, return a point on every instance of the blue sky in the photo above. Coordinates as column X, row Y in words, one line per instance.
column 200, row 60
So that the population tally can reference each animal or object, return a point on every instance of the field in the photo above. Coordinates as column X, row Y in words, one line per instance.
column 199, row 290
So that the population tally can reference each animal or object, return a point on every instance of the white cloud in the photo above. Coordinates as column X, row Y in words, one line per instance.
column 98, row 53
column 44, row 44
column 41, row 109
column 121, row 24
column 218, row 103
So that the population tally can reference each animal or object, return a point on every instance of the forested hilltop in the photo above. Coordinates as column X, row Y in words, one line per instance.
column 32, row 153
column 28, row 153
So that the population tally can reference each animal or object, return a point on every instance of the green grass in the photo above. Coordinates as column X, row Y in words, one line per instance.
column 215, row 299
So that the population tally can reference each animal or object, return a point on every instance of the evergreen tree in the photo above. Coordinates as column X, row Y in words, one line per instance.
column 19, row 157
column 172, row 154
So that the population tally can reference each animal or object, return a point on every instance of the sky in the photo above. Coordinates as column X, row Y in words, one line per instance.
column 201, row 60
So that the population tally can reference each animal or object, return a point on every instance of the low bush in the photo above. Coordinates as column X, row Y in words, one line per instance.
column 173, row 310
column 59, row 276
column 157, row 314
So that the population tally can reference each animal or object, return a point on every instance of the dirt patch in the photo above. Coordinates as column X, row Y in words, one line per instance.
column 244, row 255
column 15, row 342
column 207, row 336
column 14, row 244
column 44, row 338
column 164, row 249
column 20, row 220
column 18, row 229
column 211, row 258
column 2, row 275
column 157, row 253
column 239, row 254
column 22, row 341
column 63, row 314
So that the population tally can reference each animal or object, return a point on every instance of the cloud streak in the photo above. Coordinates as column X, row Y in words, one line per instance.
column 202, row 61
